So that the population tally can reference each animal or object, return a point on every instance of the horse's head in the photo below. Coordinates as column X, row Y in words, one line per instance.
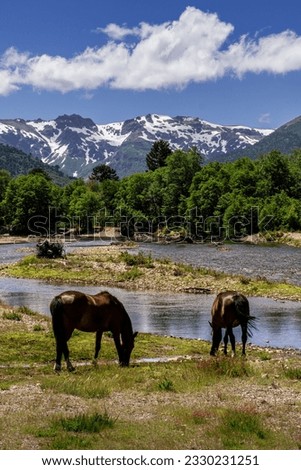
column 127, row 348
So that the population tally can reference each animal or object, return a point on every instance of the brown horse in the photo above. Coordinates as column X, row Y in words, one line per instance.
column 229, row 310
column 91, row 313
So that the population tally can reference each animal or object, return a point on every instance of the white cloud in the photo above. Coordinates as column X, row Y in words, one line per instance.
column 195, row 48
column 116, row 32
column 265, row 118
column 173, row 54
column 7, row 83
column 276, row 53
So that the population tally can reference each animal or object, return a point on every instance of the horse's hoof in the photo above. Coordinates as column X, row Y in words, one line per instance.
column 71, row 369
column 57, row 368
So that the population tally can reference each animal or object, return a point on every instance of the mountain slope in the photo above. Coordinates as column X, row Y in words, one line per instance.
column 286, row 139
column 77, row 144
column 18, row 163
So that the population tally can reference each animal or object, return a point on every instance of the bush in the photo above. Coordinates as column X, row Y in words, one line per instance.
column 87, row 423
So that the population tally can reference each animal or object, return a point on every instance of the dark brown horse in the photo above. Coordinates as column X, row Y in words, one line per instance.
column 229, row 310
column 91, row 313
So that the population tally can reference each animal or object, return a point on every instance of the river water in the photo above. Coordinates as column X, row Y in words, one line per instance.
column 185, row 315
column 277, row 263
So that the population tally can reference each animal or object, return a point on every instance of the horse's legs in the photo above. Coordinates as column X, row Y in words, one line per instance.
column 63, row 349
column 244, row 337
column 70, row 367
column 97, row 343
column 225, row 341
column 232, row 340
column 216, row 339
column 119, row 348
column 59, row 352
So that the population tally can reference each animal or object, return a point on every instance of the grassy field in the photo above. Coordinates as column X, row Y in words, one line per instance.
column 173, row 395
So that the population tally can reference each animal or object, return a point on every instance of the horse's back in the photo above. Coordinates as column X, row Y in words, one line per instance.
column 229, row 308
column 87, row 312
column 71, row 296
column 221, row 308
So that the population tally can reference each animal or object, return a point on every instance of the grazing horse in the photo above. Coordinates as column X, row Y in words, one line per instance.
column 229, row 310
column 72, row 310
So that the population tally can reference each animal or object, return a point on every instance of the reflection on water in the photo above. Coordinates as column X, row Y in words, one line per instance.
column 181, row 315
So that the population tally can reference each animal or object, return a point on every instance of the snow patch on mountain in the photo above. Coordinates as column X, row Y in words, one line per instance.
column 77, row 144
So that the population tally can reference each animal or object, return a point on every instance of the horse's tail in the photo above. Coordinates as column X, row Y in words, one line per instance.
column 242, row 308
column 56, row 310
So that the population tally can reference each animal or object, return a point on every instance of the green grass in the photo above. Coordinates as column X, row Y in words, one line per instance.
column 130, row 275
column 166, row 385
column 227, row 367
column 293, row 373
column 27, row 347
column 95, row 422
column 243, row 429
column 14, row 316
column 137, row 259
column 88, row 386
column 73, row 432
column 194, row 402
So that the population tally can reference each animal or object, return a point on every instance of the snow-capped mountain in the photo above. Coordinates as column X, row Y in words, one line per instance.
column 77, row 144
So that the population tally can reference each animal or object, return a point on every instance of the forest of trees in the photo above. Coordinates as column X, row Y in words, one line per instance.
column 177, row 192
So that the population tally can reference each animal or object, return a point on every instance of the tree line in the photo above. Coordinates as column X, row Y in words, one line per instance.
column 178, row 192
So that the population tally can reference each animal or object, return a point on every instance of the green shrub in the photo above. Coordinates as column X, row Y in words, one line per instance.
column 166, row 385
column 137, row 259
column 293, row 373
column 14, row 316
column 86, row 423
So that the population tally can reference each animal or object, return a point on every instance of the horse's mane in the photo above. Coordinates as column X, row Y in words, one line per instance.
column 126, row 321
column 111, row 297
column 104, row 292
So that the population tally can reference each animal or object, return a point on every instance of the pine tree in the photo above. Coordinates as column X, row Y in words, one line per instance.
column 157, row 155
column 103, row 172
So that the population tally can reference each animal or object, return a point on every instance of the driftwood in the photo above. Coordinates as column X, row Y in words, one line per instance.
column 47, row 249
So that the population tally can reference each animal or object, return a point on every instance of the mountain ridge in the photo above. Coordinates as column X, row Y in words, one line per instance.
column 285, row 139
column 16, row 162
column 77, row 144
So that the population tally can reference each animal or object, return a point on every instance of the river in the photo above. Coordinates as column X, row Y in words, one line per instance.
column 185, row 315
column 276, row 263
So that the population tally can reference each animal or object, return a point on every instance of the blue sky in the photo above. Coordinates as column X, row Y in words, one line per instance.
column 225, row 61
